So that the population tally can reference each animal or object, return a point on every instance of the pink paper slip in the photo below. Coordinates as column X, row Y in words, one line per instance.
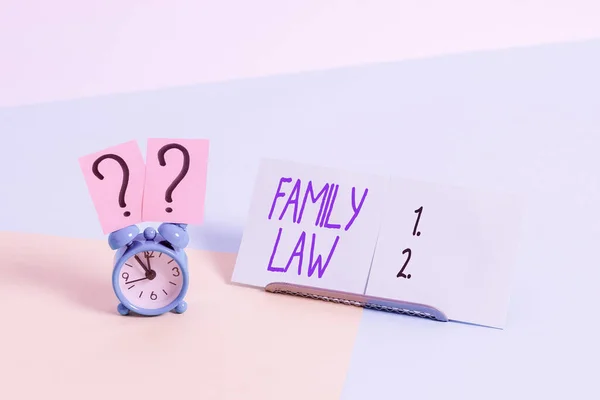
column 115, row 180
column 175, row 180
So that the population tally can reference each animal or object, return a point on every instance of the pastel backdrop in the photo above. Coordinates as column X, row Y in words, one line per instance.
column 523, row 119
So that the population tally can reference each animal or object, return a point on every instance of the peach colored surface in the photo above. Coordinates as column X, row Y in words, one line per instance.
column 62, row 337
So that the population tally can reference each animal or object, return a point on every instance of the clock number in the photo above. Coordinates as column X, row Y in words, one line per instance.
column 176, row 270
column 125, row 276
column 153, row 296
column 401, row 273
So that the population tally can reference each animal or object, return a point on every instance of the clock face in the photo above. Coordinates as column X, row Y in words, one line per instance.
column 151, row 279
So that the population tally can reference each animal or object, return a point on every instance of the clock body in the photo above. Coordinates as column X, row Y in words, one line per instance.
column 150, row 276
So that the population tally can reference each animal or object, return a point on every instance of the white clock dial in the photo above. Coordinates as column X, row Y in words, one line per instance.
column 151, row 279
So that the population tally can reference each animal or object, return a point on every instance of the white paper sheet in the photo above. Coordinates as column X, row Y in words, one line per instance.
column 458, row 258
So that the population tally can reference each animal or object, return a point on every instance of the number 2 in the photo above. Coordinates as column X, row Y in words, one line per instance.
column 401, row 273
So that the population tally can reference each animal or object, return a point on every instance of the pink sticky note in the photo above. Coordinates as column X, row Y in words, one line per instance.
column 175, row 180
column 115, row 180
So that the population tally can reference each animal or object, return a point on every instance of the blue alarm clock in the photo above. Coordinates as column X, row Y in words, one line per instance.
column 150, row 275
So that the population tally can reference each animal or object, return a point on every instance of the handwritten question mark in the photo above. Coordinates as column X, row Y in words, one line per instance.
column 182, row 173
column 124, row 181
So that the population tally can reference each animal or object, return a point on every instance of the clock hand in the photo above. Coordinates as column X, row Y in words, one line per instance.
column 148, row 261
column 137, row 280
column 141, row 263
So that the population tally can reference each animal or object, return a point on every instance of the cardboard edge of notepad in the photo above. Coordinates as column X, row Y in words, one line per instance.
column 358, row 300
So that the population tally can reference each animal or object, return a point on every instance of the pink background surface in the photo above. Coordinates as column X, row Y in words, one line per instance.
column 105, row 192
column 67, row 49
column 232, row 343
column 189, row 195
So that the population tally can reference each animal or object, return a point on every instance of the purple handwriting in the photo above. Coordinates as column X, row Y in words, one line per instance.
column 295, row 208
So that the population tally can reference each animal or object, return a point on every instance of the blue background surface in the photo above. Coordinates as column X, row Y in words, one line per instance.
column 525, row 120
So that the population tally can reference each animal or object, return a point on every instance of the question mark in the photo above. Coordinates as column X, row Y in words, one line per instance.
column 184, row 169
column 124, row 181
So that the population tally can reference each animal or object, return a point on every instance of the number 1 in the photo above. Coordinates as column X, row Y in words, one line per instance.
column 418, row 211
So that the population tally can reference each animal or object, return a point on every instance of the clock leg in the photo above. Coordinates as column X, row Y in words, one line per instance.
column 122, row 309
column 181, row 307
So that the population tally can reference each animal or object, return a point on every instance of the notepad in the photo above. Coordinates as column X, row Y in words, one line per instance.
column 387, row 242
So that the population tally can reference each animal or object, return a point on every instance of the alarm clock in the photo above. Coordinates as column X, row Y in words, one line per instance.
column 150, row 275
